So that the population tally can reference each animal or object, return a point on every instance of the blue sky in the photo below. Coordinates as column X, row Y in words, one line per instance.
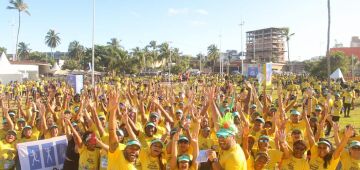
column 190, row 25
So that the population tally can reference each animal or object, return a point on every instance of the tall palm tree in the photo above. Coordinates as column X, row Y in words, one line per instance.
column 287, row 35
column 154, row 53
column 139, row 54
column 20, row 6
column 213, row 54
column 164, row 53
column 114, row 43
column 52, row 40
column 23, row 50
column 328, row 42
column 76, row 50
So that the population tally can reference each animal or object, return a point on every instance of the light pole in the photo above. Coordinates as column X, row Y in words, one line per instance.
column 93, row 49
column 220, row 57
column 241, row 48
column 288, row 47
column 170, row 62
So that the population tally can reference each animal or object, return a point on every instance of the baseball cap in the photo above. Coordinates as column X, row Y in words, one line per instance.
column 183, row 138
column 184, row 157
column 156, row 140
column 354, row 143
column 150, row 124
column 224, row 133
column 133, row 142
column 253, row 106
column 295, row 112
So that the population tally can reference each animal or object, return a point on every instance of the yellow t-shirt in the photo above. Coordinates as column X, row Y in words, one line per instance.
column 146, row 140
column 7, row 155
column 233, row 158
column 205, row 143
column 347, row 162
column 317, row 163
column 275, row 157
column 117, row 161
column 294, row 164
column 289, row 127
column 147, row 162
column 89, row 159
column 348, row 97
column 338, row 104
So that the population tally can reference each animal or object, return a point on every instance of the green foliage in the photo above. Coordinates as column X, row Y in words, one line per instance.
column 23, row 50
column 213, row 55
column 337, row 60
column 2, row 49
column 70, row 64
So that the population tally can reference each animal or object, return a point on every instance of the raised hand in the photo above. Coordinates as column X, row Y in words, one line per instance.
column 349, row 132
column 113, row 101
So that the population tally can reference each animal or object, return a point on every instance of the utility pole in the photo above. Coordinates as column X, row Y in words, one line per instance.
column 241, row 48
column 93, row 48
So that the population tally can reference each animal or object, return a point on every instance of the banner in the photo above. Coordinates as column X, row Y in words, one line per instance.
column 76, row 82
column 252, row 70
column 46, row 154
column 267, row 71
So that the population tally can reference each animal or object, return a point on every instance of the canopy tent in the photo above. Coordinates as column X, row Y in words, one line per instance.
column 61, row 72
column 54, row 68
column 337, row 74
column 8, row 72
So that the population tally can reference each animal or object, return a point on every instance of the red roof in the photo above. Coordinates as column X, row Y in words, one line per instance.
column 349, row 51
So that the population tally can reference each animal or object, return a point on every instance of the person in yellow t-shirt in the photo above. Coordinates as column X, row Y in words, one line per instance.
column 152, row 158
column 148, row 135
column 348, row 101
column 295, row 122
column 274, row 154
column 323, row 156
column 8, row 151
column 297, row 160
column 350, row 159
column 124, row 158
column 89, row 154
column 231, row 155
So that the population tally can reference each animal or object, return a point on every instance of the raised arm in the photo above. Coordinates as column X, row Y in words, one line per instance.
column 77, row 139
column 174, row 151
column 348, row 133
column 113, row 105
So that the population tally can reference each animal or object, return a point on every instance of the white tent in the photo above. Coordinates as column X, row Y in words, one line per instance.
column 7, row 71
column 55, row 68
column 337, row 74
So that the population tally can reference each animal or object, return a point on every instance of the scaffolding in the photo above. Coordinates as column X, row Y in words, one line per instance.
column 265, row 45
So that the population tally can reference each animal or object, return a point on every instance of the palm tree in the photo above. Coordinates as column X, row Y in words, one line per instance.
column 52, row 40
column 139, row 54
column 287, row 35
column 328, row 43
column 76, row 50
column 164, row 53
column 23, row 50
column 213, row 54
column 114, row 43
column 154, row 53
column 20, row 6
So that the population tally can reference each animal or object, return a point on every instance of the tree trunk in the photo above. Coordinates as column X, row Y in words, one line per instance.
column 328, row 43
column 17, row 39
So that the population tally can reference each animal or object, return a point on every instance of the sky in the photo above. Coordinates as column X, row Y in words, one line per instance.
column 190, row 25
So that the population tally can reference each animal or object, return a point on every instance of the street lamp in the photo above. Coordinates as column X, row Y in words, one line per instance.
column 93, row 49
column 241, row 49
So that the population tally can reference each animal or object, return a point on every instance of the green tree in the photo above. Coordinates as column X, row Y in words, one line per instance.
column 2, row 50
column 153, row 52
column 76, row 50
column 23, row 50
column 52, row 40
column 114, row 43
column 70, row 64
column 339, row 60
column 213, row 55
column 288, row 35
column 20, row 6
column 164, row 53
column 139, row 54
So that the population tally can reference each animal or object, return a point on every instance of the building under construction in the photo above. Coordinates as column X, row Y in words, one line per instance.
column 265, row 45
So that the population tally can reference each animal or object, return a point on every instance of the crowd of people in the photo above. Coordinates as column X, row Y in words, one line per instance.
column 234, row 123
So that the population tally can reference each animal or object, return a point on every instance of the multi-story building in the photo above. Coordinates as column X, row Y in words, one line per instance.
column 355, row 41
column 265, row 45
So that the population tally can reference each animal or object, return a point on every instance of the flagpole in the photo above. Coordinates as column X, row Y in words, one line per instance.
column 93, row 49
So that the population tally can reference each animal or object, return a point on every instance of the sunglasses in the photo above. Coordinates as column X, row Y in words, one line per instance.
column 264, row 140
column 222, row 136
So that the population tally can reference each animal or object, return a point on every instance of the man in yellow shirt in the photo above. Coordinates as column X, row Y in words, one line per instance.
column 348, row 101
column 350, row 159
column 231, row 155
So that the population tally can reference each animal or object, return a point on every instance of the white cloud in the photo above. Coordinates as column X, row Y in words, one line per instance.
column 202, row 11
column 173, row 11
column 197, row 23
column 135, row 14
